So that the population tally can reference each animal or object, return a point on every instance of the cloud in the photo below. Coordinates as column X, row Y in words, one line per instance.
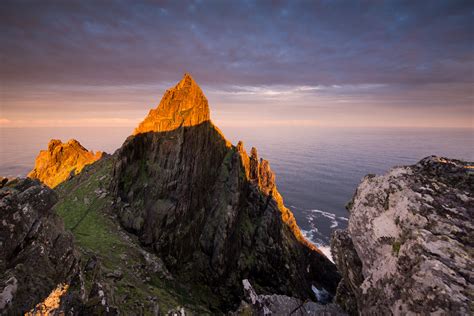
column 63, row 59
column 301, row 43
column 4, row 121
column 83, row 122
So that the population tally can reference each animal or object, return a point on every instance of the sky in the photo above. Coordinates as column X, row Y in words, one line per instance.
column 324, row 63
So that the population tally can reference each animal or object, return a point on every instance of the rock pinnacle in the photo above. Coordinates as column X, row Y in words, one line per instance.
column 183, row 105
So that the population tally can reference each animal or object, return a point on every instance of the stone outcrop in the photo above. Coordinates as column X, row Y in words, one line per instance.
column 209, row 210
column 60, row 160
column 409, row 245
column 254, row 304
column 36, row 254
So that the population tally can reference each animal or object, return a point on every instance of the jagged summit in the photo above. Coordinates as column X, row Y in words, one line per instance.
column 54, row 165
column 183, row 105
column 207, row 212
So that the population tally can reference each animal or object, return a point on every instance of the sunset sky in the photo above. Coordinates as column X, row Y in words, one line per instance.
column 328, row 63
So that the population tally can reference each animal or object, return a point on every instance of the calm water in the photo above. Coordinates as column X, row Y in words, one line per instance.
column 317, row 169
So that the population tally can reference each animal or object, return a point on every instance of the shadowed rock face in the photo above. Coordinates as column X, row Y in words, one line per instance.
column 36, row 254
column 409, row 244
column 208, row 209
column 54, row 165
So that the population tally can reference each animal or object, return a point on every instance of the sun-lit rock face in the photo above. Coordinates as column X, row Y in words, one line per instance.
column 408, row 249
column 54, row 165
column 183, row 105
column 211, row 211
column 51, row 303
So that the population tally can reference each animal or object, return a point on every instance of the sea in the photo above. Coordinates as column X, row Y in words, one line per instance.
column 317, row 168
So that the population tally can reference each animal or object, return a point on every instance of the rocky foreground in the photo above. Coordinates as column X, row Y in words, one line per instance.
column 409, row 245
column 36, row 253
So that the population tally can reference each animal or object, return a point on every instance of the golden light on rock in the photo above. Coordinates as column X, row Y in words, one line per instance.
column 55, row 165
column 183, row 105
column 259, row 172
column 51, row 303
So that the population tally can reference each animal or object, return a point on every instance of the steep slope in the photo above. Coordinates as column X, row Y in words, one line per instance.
column 409, row 245
column 36, row 253
column 54, row 165
column 208, row 209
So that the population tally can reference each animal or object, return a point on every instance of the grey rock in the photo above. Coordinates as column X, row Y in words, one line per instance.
column 409, row 244
column 36, row 253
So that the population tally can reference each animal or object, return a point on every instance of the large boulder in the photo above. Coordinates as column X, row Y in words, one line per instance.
column 408, row 248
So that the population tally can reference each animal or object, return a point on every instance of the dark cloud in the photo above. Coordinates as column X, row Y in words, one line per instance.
column 247, row 42
column 104, row 56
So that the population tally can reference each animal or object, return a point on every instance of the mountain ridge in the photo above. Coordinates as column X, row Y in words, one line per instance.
column 208, row 208
column 179, row 220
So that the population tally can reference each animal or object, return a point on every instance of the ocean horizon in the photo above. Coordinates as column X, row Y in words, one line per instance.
column 317, row 169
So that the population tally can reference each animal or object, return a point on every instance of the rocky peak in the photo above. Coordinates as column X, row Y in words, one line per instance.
column 183, row 105
column 208, row 208
column 54, row 165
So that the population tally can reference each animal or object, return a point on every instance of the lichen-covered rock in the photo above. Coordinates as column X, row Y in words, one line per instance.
column 36, row 254
column 409, row 244
column 209, row 210
column 60, row 160
column 281, row 305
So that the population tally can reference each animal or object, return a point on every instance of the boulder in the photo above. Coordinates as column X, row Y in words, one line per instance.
column 408, row 248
